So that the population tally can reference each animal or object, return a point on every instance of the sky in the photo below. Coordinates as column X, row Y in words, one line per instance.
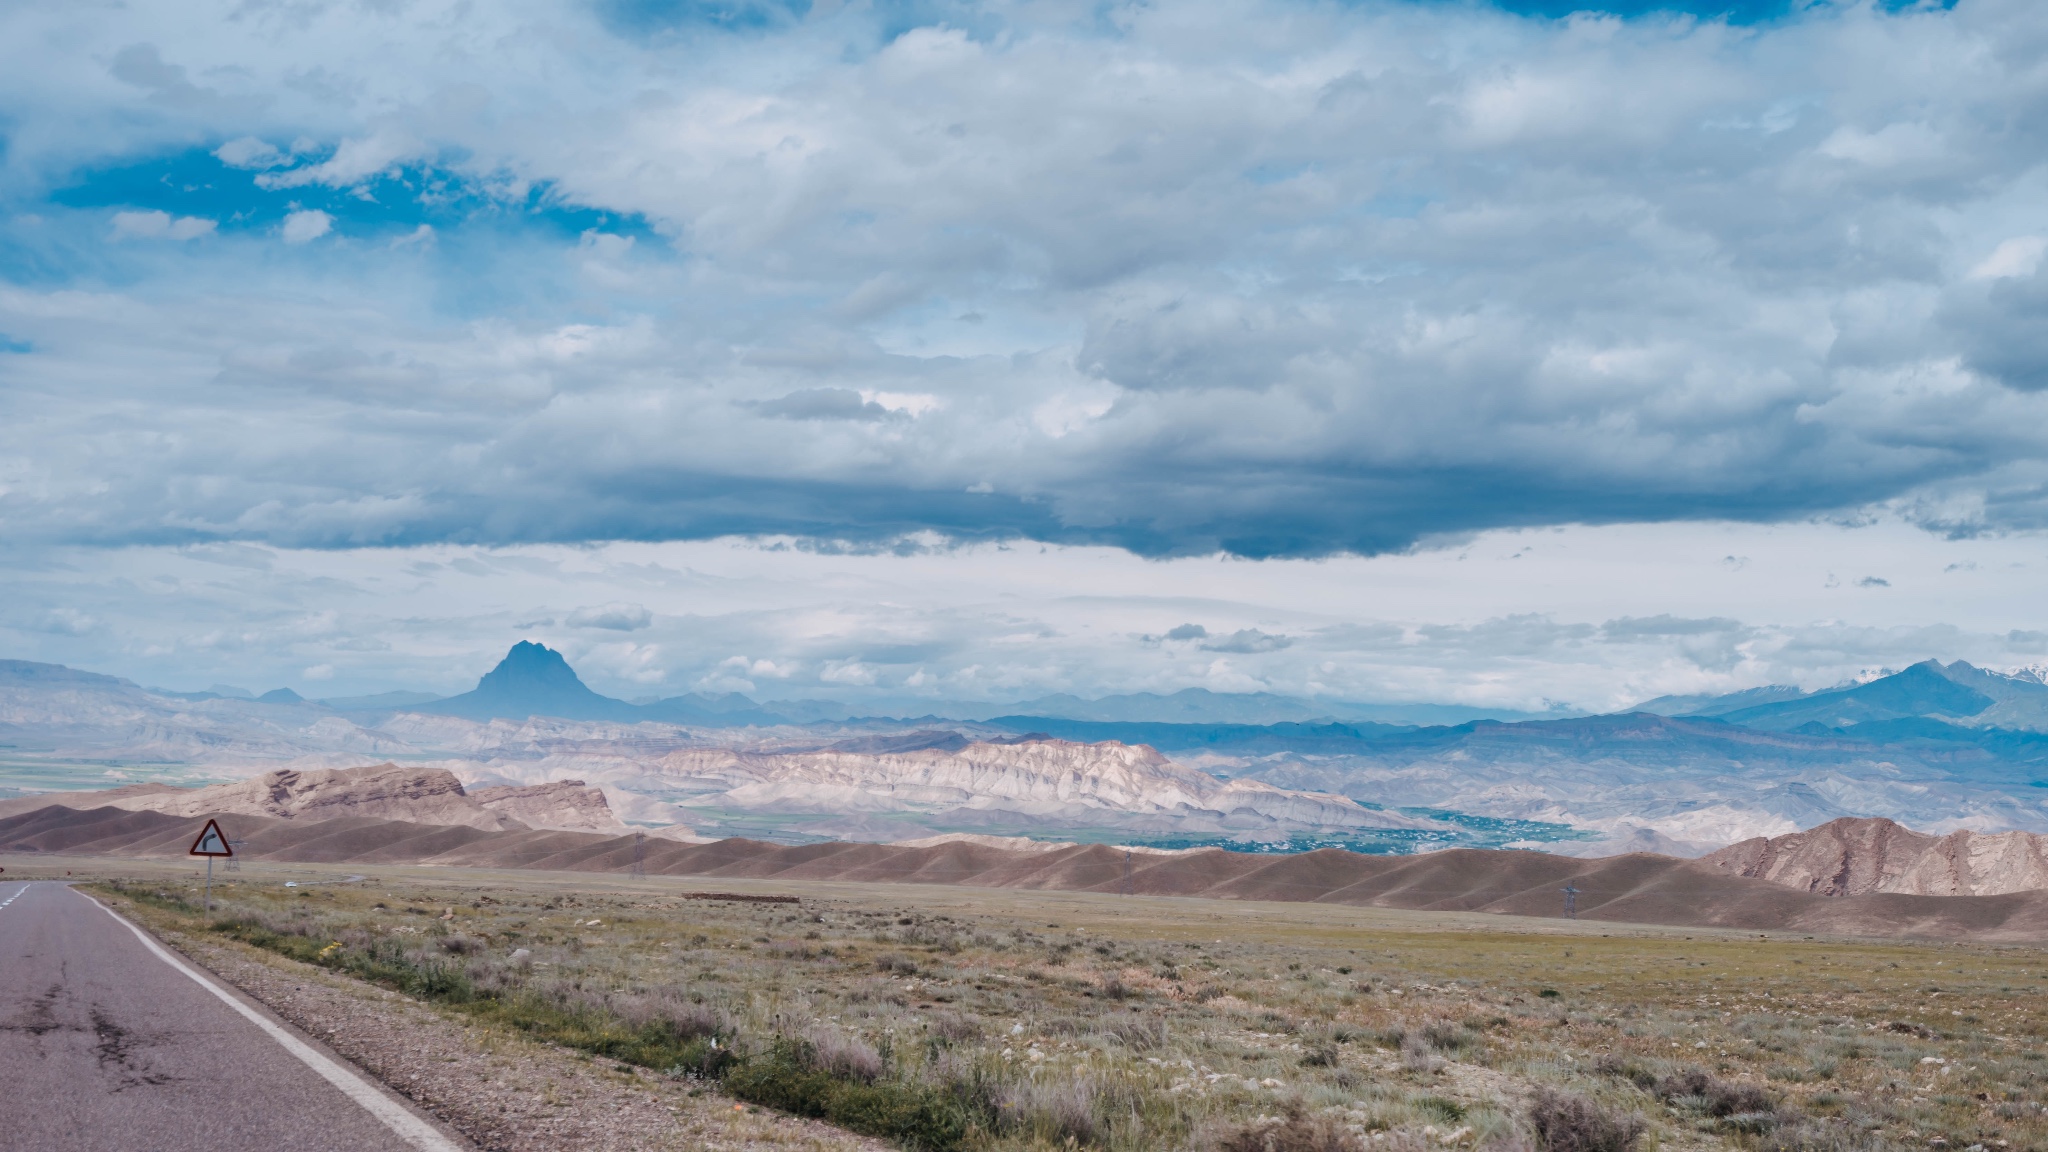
column 1502, row 354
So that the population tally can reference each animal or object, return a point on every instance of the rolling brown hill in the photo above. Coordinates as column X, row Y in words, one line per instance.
column 1638, row 888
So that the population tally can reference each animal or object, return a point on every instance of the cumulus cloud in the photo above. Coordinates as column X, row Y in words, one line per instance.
column 249, row 152
column 1247, row 640
column 616, row 617
column 307, row 224
column 160, row 226
column 821, row 404
column 144, row 66
column 1288, row 280
column 353, row 162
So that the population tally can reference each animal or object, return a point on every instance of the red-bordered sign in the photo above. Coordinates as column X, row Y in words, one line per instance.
column 212, row 842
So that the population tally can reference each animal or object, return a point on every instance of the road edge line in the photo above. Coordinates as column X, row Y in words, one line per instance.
column 410, row 1128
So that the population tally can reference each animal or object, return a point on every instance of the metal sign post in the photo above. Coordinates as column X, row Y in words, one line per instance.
column 212, row 842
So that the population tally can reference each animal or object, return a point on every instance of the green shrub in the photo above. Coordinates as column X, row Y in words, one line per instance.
column 787, row 1079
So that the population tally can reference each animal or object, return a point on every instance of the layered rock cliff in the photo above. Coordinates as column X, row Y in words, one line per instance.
column 382, row 791
column 1850, row 857
column 1046, row 779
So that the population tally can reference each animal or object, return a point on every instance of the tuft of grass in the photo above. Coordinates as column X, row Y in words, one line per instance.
column 1565, row 1122
column 1295, row 1133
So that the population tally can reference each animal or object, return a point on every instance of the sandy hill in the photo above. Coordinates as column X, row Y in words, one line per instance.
column 1850, row 857
column 1635, row 888
column 383, row 791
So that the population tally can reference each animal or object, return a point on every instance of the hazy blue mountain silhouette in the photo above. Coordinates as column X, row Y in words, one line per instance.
column 1721, row 705
column 1924, row 690
column 724, row 711
column 532, row 680
column 1201, row 706
column 397, row 700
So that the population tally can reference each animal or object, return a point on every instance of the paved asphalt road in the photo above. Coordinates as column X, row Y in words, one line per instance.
column 106, row 1047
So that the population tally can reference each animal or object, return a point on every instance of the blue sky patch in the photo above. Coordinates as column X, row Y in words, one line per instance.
column 196, row 183
column 641, row 17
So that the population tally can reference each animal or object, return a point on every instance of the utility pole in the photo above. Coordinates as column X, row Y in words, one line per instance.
column 639, row 853
column 1127, row 871
column 1571, row 901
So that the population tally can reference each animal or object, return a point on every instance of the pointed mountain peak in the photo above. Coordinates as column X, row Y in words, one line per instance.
column 531, row 665
column 533, row 680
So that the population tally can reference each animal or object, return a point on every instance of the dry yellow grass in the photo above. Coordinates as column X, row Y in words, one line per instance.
column 1181, row 1018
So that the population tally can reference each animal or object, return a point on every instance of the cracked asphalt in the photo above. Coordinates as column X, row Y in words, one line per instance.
column 106, row 1048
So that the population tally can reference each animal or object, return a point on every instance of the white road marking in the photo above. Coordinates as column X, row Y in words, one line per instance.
column 409, row 1127
column 10, row 899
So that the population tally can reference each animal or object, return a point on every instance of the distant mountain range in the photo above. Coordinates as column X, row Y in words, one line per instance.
column 534, row 680
column 1940, row 746
column 1956, row 694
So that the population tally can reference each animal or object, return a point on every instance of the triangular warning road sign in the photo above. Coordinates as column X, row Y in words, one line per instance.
column 212, row 842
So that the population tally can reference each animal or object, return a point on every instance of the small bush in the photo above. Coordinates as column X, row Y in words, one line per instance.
column 1417, row 1055
column 1446, row 1036
column 1297, row 1133
column 1137, row 1031
column 1445, row 1111
column 846, row 1057
column 1819, row 1136
column 155, row 898
column 1054, row 1111
column 1419, row 1044
column 669, row 1015
column 953, row 1028
column 1710, row 1094
column 1626, row 1068
column 1567, row 1123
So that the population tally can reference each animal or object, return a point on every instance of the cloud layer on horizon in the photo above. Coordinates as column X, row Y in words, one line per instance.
column 1589, row 618
column 1276, row 278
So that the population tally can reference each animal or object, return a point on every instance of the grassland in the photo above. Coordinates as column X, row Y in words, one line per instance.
column 944, row 1018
